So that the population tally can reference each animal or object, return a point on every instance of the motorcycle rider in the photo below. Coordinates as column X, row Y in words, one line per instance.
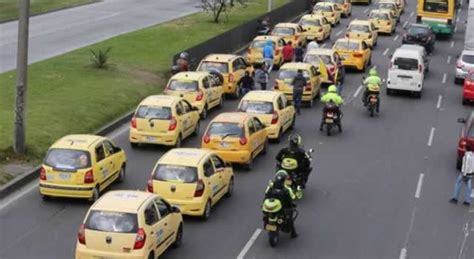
column 182, row 63
column 372, row 86
column 295, row 151
column 333, row 97
column 278, row 190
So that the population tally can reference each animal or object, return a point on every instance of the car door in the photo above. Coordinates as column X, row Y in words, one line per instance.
column 326, row 26
column 102, row 166
column 238, row 69
column 221, row 174
column 365, row 51
column 112, row 158
column 217, row 90
column 170, row 226
column 261, row 133
column 211, row 179
column 315, row 80
column 193, row 114
column 282, row 112
column 208, row 91
column 374, row 32
column 183, row 123
column 186, row 118
column 154, row 227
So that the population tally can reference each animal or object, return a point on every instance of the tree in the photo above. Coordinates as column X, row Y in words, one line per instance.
column 219, row 7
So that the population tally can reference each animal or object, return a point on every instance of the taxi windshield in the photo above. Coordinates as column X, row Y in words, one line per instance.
column 176, row 173
column 283, row 31
column 437, row 6
column 214, row 66
column 258, row 44
column 314, row 59
column 286, row 74
column 157, row 112
column 225, row 128
column 386, row 6
column 323, row 8
column 111, row 221
column 256, row 107
column 308, row 22
column 350, row 45
column 67, row 159
column 359, row 28
column 183, row 85
column 381, row 16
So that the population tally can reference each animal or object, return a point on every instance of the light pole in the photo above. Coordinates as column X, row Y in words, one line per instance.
column 19, row 145
column 270, row 5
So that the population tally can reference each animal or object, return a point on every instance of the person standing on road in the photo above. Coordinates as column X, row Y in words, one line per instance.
column 268, row 55
column 246, row 83
column 298, row 83
column 299, row 53
column 288, row 52
column 312, row 45
column 262, row 76
column 467, row 170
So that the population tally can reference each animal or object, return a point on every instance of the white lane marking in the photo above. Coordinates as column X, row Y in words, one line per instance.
column 358, row 91
column 403, row 253
column 119, row 132
column 430, row 139
column 466, row 235
column 452, row 44
column 7, row 201
column 412, row 13
column 386, row 51
column 456, row 29
column 405, row 24
column 438, row 104
column 338, row 33
column 457, row 19
column 449, row 60
column 444, row 78
column 395, row 38
column 419, row 185
column 249, row 243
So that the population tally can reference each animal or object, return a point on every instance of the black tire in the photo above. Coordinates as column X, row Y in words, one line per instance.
column 207, row 211
column 273, row 238
column 328, row 129
column 95, row 194
column 265, row 147
column 310, row 103
column 122, row 174
column 45, row 197
column 204, row 112
column 230, row 188
column 278, row 138
column 464, row 101
column 458, row 80
column 197, row 128
column 372, row 110
column 221, row 102
column 293, row 122
column 134, row 145
column 179, row 237
column 249, row 164
column 417, row 94
column 389, row 91
column 236, row 94
column 178, row 141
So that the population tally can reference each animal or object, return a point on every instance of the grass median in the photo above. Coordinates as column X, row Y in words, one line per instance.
column 67, row 95
column 10, row 7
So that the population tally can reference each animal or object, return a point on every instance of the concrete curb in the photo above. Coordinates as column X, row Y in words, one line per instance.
column 53, row 10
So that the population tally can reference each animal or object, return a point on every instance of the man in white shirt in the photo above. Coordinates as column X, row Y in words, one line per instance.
column 467, row 170
column 312, row 45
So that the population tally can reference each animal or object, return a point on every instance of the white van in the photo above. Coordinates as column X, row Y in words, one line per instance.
column 406, row 71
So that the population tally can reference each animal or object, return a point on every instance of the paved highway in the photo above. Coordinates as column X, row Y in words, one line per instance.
column 59, row 32
column 379, row 190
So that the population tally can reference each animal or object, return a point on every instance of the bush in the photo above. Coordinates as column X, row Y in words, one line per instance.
column 100, row 58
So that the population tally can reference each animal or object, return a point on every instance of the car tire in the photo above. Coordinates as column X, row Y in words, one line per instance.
column 179, row 237
column 464, row 101
column 389, row 91
column 204, row 112
column 278, row 138
column 221, row 102
column 95, row 194
column 151, row 255
column 265, row 147
column 417, row 94
column 310, row 103
column 122, row 174
column 45, row 197
column 293, row 122
column 134, row 145
column 458, row 164
column 207, row 211
column 458, row 81
column 197, row 128
column 236, row 94
column 249, row 164
column 230, row 188
column 178, row 141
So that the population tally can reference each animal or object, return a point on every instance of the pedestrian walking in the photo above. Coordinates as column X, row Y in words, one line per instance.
column 261, row 76
column 268, row 55
column 298, row 83
column 246, row 84
column 299, row 53
column 467, row 170
column 288, row 52
column 312, row 45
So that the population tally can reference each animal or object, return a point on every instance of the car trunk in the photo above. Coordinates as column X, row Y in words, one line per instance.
column 175, row 190
column 62, row 176
column 152, row 127
column 189, row 96
column 227, row 143
column 110, row 242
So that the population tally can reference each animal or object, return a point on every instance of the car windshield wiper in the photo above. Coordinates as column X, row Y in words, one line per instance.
column 229, row 134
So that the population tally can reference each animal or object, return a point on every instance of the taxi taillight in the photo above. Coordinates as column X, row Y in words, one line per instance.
column 307, row 87
column 149, row 185
column 243, row 141
column 81, row 234
column 276, row 87
column 89, row 177
column 231, row 78
column 206, row 139
column 140, row 239
column 357, row 55
column 42, row 174
column 200, row 95
column 173, row 124
column 133, row 122
column 199, row 188
column 275, row 117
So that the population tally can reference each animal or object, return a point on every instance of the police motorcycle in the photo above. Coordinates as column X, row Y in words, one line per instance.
column 331, row 118
column 298, row 176
column 275, row 220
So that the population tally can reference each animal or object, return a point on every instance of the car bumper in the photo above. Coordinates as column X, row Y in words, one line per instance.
column 405, row 87
column 460, row 74
column 234, row 156
column 319, row 36
column 68, row 191
column 82, row 252
column 468, row 94
column 194, row 207
column 259, row 60
column 384, row 29
column 273, row 131
column 307, row 96
column 167, row 139
column 352, row 63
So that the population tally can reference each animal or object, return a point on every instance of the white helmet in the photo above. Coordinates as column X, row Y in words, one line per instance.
column 183, row 55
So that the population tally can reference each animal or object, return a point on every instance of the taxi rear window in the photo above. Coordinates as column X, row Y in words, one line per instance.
column 176, row 173
column 358, row 28
column 347, row 45
column 314, row 59
column 256, row 107
column 386, row 6
column 310, row 23
column 382, row 16
column 183, row 85
column 214, row 66
column 258, row 44
column 67, row 159
column 111, row 221
column 290, row 74
column 283, row 31
column 225, row 129
column 156, row 112
column 324, row 8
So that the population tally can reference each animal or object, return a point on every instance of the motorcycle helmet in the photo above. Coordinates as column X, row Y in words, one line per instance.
column 295, row 140
column 279, row 181
column 271, row 205
column 282, row 173
column 184, row 55
column 373, row 72
column 332, row 89
column 289, row 164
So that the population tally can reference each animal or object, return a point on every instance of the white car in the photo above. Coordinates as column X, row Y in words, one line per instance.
column 406, row 71
column 464, row 63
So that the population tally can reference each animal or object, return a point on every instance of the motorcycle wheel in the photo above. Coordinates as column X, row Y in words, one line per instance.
column 328, row 129
column 372, row 111
column 273, row 238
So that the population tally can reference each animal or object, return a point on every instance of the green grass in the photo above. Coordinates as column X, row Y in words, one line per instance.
column 5, row 177
column 9, row 8
column 67, row 95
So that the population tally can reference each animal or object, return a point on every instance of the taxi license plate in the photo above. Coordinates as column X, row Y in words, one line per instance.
column 270, row 227
column 224, row 144
column 329, row 120
column 151, row 139
column 65, row 176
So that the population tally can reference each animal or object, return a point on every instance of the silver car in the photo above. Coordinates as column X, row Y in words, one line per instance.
column 464, row 63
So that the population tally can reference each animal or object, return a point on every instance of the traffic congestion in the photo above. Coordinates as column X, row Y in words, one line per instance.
column 310, row 143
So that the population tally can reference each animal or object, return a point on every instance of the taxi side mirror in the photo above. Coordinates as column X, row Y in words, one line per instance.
column 175, row 209
column 195, row 108
column 461, row 120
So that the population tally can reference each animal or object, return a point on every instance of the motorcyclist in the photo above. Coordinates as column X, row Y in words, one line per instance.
column 182, row 63
column 333, row 97
column 263, row 26
column 278, row 190
column 295, row 151
column 372, row 86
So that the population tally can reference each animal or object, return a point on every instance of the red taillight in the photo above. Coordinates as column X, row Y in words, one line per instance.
column 307, row 87
column 347, row 35
column 357, row 55
column 459, row 64
column 81, row 235
column 275, row 87
column 243, row 141
column 206, row 139
column 149, row 185
column 231, row 78
column 199, row 188
column 200, row 95
column 370, row 36
column 462, row 144
column 173, row 124
column 42, row 174
column 89, row 177
column 320, row 30
column 275, row 118
column 133, row 123
column 140, row 239
column 277, row 52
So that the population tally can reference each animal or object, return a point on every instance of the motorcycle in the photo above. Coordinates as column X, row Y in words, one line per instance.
column 372, row 102
column 331, row 118
column 275, row 220
column 298, row 176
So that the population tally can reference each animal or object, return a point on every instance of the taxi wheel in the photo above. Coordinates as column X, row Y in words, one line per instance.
column 45, row 197
column 179, row 237
column 370, row 61
column 197, row 128
column 310, row 103
column 221, row 102
column 292, row 126
column 207, row 211
column 236, row 94
column 178, row 141
column 265, row 147
column 95, row 194
column 204, row 112
column 122, row 173
column 134, row 145
column 151, row 255
column 249, row 164
column 278, row 138
column 230, row 189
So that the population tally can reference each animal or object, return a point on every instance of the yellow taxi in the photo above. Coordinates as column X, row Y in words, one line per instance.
column 192, row 179
column 129, row 224
column 271, row 108
column 289, row 32
column 203, row 90
column 255, row 50
column 81, row 166
column 231, row 67
column 344, row 5
column 391, row 6
column 237, row 137
column 383, row 20
column 363, row 30
column 354, row 53
column 163, row 120
column 316, row 27
column 329, row 10
column 285, row 77
column 332, row 62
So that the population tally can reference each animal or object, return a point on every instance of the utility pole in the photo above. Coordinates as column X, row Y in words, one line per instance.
column 19, row 143
column 269, row 5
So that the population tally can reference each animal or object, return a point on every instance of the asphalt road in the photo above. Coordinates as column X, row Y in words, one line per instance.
column 379, row 190
column 59, row 32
